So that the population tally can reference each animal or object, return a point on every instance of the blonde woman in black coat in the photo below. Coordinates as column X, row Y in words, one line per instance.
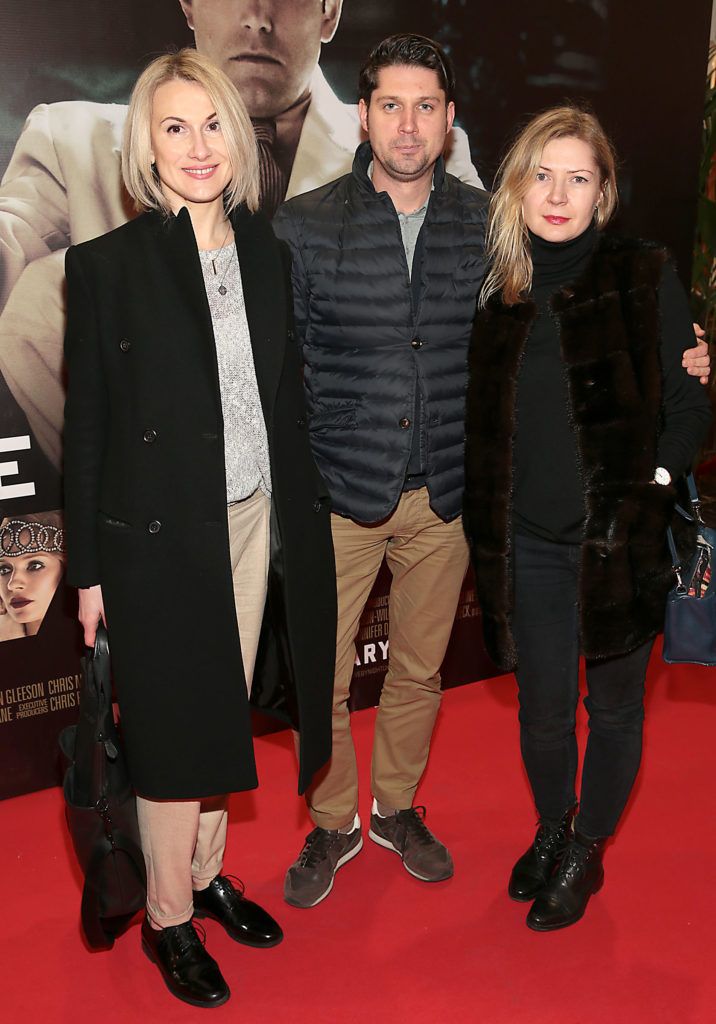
column 196, row 519
column 580, row 418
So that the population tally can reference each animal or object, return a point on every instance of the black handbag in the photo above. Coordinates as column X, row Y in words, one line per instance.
column 690, row 623
column 101, row 809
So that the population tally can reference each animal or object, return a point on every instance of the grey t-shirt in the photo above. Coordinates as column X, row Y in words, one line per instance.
column 410, row 225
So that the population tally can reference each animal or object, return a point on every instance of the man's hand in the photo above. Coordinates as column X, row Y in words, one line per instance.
column 697, row 360
column 91, row 610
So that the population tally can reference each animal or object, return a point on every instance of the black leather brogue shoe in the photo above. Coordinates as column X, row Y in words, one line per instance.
column 536, row 865
column 188, row 971
column 565, row 897
column 243, row 920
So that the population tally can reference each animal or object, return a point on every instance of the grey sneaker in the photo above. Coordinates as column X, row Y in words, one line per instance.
column 310, row 878
column 406, row 833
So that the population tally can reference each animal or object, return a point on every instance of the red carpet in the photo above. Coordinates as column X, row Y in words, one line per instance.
column 387, row 949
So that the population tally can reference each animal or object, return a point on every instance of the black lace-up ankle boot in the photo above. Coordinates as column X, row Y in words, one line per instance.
column 536, row 865
column 564, row 899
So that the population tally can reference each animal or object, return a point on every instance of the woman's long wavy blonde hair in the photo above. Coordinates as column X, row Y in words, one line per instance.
column 508, row 248
column 140, row 180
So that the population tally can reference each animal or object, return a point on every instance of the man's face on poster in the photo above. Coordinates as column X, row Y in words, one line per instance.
column 268, row 48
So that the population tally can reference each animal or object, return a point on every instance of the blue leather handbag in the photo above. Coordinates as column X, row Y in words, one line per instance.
column 690, row 623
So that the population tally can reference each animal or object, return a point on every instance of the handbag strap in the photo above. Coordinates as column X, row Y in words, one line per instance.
column 103, row 684
column 693, row 517
column 694, row 495
column 100, row 659
column 694, row 501
column 675, row 561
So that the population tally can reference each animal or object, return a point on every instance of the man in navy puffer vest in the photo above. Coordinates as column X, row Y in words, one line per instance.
column 387, row 264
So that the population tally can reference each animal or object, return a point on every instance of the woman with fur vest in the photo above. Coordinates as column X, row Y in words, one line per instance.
column 579, row 419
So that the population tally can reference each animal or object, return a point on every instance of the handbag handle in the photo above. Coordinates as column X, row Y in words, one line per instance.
column 100, row 660
column 101, row 642
column 101, row 673
column 695, row 502
column 675, row 561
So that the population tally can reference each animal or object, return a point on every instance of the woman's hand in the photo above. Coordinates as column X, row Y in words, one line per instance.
column 696, row 360
column 91, row 610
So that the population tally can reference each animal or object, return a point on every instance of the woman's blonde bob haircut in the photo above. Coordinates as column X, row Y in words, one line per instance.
column 140, row 178
column 508, row 247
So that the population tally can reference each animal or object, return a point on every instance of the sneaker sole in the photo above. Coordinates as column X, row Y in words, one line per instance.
column 387, row 845
column 342, row 860
column 184, row 999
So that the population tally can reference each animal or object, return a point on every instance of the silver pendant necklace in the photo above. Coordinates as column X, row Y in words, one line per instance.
column 222, row 289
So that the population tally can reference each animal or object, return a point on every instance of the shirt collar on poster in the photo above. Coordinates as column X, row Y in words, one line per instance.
column 289, row 126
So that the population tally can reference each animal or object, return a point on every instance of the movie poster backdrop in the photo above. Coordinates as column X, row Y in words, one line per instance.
column 71, row 66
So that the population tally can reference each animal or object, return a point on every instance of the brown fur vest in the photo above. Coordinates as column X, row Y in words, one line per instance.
column 610, row 342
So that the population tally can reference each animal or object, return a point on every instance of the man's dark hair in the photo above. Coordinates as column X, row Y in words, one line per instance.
column 407, row 49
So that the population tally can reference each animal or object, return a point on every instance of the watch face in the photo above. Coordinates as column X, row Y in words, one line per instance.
column 662, row 476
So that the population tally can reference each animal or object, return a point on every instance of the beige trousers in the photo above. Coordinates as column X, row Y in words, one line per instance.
column 428, row 559
column 183, row 841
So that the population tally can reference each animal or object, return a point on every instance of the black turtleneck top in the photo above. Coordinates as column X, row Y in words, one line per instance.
column 548, row 493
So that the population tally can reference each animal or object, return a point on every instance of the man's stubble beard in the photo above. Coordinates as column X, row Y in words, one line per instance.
column 393, row 169
column 408, row 171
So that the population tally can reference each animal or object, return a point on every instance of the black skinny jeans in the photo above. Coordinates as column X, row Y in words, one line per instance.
column 545, row 626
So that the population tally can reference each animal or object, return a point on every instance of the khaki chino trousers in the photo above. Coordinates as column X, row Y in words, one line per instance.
column 183, row 841
column 428, row 559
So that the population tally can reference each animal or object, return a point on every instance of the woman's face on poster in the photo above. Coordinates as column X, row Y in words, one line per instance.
column 188, row 147
column 27, row 586
column 564, row 192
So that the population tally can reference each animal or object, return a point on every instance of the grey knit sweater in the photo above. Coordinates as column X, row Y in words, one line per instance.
column 245, row 441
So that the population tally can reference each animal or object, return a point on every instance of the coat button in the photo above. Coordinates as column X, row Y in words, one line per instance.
column 404, row 423
column 125, row 345
column 150, row 436
column 416, row 343
column 290, row 335
column 317, row 505
column 300, row 423
column 155, row 526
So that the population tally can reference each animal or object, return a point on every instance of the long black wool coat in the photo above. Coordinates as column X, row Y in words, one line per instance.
column 146, row 506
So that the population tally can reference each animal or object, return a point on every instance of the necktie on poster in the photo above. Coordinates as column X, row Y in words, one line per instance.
column 272, row 179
